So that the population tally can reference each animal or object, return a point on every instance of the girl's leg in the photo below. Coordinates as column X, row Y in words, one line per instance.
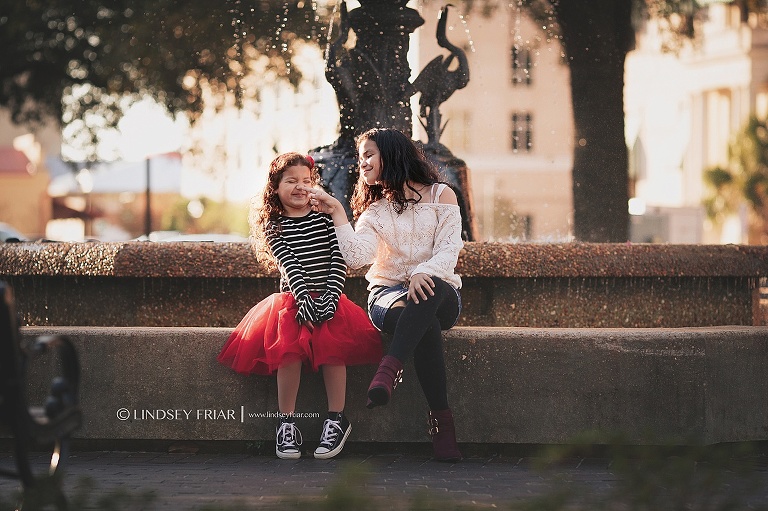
column 411, row 326
column 428, row 357
column 335, row 378
column 429, row 362
column 417, row 330
column 289, row 438
column 288, row 379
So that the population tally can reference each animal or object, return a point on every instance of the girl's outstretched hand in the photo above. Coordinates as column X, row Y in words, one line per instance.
column 323, row 202
column 319, row 199
column 420, row 287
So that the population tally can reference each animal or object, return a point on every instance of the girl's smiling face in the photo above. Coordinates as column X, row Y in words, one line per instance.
column 294, row 200
column 369, row 161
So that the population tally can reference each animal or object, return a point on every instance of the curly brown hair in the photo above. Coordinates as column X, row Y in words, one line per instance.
column 401, row 162
column 266, row 209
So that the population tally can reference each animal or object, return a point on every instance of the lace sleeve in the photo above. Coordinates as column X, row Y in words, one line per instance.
column 448, row 243
column 359, row 245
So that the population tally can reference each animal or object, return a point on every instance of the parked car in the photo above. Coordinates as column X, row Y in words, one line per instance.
column 8, row 233
column 217, row 237
column 177, row 236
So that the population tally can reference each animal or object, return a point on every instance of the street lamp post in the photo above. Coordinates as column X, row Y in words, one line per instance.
column 148, row 210
column 84, row 180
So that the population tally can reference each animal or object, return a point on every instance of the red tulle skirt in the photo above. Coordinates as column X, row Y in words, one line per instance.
column 269, row 336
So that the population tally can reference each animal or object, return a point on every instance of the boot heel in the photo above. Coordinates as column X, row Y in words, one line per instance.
column 377, row 396
column 388, row 375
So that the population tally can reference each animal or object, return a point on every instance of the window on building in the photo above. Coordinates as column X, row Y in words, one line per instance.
column 522, row 65
column 735, row 15
column 522, row 132
column 507, row 222
column 761, row 104
column 458, row 130
column 522, row 227
column 718, row 126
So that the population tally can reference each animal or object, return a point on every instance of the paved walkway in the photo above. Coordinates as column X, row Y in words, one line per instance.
column 389, row 481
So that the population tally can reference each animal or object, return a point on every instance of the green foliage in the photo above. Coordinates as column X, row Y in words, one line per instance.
column 84, row 494
column 658, row 478
column 718, row 177
column 106, row 52
column 217, row 217
column 745, row 179
column 721, row 200
column 165, row 49
column 756, row 189
column 750, row 155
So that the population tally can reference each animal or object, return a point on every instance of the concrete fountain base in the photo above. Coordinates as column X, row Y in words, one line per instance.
column 658, row 343
column 506, row 386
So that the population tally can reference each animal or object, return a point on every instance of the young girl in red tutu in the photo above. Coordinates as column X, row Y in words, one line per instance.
column 310, row 322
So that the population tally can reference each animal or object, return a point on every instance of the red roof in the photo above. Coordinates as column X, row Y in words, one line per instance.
column 13, row 161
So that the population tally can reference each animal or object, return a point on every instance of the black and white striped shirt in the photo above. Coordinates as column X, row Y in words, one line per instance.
column 310, row 261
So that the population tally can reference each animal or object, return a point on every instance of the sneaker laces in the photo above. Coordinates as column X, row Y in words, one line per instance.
column 289, row 435
column 331, row 430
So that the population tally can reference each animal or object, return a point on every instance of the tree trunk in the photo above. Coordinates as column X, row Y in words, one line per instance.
column 597, row 36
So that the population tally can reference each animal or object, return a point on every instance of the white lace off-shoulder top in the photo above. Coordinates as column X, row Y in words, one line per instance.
column 424, row 238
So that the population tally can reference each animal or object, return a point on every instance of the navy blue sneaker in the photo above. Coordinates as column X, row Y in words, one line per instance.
column 336, row 429
column 288, row 441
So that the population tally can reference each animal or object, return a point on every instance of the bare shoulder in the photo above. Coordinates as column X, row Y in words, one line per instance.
column 448, row 196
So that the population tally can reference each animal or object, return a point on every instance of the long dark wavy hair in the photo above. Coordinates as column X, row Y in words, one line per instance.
column 265, row 211
column 401, row 162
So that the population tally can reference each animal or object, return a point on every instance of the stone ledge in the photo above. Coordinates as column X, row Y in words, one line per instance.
column 478, row 259
column 507, row 386
column 572, row 285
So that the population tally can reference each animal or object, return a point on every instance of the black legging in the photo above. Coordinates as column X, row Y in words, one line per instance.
column 416, row 329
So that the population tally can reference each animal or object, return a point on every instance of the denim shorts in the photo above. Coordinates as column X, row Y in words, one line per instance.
column 382, row 298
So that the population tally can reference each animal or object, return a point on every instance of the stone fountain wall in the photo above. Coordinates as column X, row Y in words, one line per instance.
column 533, row 285
column 657, row 343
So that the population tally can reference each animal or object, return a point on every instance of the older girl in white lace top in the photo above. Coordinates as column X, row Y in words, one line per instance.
column 425, row 238
column 408, row 229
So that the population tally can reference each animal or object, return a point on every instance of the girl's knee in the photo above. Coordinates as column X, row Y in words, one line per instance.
column 440, row 291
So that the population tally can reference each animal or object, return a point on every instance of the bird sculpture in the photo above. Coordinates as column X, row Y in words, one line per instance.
column 437, row 81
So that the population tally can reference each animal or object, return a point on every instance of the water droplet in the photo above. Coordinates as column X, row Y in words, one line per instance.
column 466, row 31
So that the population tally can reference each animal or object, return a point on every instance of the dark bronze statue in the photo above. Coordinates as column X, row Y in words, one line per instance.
column 372, row 87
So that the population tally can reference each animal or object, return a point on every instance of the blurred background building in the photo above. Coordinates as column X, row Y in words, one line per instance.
column 682, row 111
column 24, row 177
column 512, row 125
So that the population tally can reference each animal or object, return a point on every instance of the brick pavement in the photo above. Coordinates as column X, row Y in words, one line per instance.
column 382, row 481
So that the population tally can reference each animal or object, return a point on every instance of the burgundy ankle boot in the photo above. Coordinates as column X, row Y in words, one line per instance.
column 443, row 435
column 385, row 381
